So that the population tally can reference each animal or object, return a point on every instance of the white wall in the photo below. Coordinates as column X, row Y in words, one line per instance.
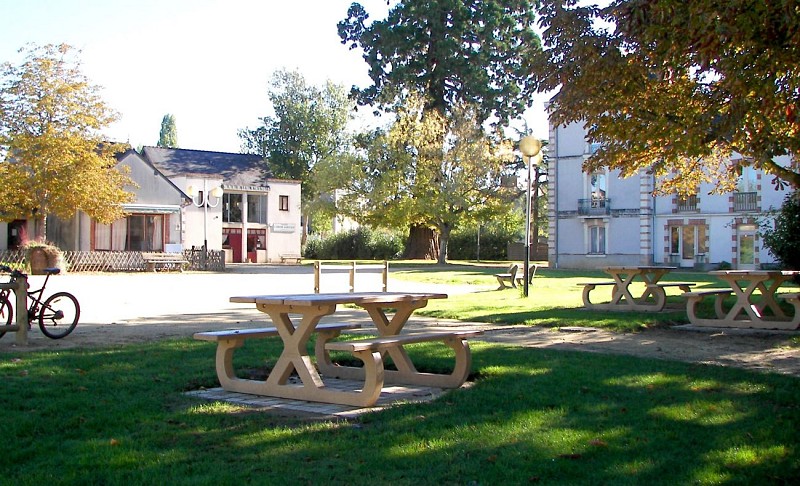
column 285, row 231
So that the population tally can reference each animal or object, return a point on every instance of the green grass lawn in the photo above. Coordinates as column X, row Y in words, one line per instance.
column 119, row 416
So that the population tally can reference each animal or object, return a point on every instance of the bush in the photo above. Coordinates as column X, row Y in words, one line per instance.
column 360, row 244
column 784, row 240
column 463, row 244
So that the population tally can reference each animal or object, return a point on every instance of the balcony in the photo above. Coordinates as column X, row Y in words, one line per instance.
column 594, row 207
column 745, row 201
column 687, row 204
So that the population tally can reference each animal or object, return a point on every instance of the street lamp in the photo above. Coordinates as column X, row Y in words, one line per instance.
column 204, row 202
column 530, row 147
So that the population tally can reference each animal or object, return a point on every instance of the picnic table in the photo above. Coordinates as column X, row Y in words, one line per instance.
column 307, row 310
column 751, row 310
column 652, row 299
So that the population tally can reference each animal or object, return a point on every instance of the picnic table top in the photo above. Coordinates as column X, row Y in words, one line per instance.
column 337, row 298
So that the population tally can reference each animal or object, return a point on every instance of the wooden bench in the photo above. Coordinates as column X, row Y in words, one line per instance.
column 153, row 261
column 531, row 273
column 510, row 276
column 291, row 257
column 695, row 297
column 372, row 350
column 685, row 286
column 231, row 339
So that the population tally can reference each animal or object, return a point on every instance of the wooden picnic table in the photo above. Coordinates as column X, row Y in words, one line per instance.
column 652, row 299
column 307, row 310
column 751, row 310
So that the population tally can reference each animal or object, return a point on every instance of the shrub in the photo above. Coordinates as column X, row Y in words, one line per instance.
column 463, row 243
column 359, row 244
column 784, row 240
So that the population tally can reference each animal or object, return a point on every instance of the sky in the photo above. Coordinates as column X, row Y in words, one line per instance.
column 206, row 62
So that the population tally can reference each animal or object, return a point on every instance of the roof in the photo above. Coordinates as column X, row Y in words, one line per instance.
column 235, row 169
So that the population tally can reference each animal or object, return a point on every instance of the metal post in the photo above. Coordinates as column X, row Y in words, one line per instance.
column 317, row 272
column 205, row 224
column 22, row 309
column 352, row 277
column 527, row 231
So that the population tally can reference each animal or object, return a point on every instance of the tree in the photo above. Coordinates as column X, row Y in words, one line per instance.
column 677, row 86
column 168, row 136
column 452, row 52
column 54, row 159
column 309, row 126
column 408, row 175
column 783, row 240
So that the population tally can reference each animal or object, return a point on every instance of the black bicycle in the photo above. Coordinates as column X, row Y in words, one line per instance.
column 57, row 315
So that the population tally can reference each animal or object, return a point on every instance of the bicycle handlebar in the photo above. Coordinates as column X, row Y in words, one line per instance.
column 14, row 273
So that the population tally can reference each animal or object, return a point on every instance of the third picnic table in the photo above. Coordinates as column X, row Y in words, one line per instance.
column 652, row 299
column 750, row 310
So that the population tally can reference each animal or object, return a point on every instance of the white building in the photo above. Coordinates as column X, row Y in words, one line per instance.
column 177, row 206
column 600, row 219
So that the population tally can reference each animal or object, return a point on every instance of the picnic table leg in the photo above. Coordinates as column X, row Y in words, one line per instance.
column 743, row 301
column 294, row 356
column 768, row 297
column 386, row 327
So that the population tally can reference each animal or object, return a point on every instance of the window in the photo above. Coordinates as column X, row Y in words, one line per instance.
column 137, row 232
column 597, row 189
column 256, row 209
column 597, row 238
column 688, row 241
column 145, row 232
column 283, row 203
column 232, row 208
column 747, row 181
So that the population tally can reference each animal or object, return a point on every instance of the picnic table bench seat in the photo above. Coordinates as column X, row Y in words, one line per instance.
column 231, row 339
column 154, row 260
column 296, row 257
column 509, row 276
column 370, row 351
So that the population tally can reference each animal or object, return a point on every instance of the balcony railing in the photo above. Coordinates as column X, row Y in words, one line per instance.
column 592, row 207
column 745, row 201
column 687, row 204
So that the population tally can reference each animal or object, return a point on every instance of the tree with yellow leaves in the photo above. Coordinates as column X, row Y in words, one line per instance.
column 54, row 160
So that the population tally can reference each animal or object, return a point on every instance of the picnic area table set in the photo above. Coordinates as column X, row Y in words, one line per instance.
column 307, row 310
column 757, row 300
column 760, row 311
column 652, row 299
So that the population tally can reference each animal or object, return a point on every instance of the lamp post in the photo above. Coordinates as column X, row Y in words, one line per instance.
column 205, row 202
column 530, row 147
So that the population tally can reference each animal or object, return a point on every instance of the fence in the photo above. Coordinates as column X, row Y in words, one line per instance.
column 117, row 261
column 352, row 272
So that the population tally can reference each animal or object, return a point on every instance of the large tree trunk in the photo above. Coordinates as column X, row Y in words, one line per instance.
column 422, row 243
column 444, row 238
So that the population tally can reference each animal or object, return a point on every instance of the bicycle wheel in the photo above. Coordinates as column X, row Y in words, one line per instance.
column 59, row 315
column 6, row 314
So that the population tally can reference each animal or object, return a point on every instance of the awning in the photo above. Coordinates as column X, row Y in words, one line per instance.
column 151, row 208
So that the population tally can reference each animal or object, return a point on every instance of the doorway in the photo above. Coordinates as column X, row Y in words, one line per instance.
column 747, row 247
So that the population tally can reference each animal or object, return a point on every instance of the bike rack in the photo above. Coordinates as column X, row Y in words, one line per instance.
column 20, row 287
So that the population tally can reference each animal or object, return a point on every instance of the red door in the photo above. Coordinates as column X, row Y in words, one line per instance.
column 235, row 242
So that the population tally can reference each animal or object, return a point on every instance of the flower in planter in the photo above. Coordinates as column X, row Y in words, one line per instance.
column 40, row 255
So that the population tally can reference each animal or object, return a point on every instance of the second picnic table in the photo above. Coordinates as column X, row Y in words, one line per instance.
column 294, row 357
column 652, row 299
column 750, row 310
